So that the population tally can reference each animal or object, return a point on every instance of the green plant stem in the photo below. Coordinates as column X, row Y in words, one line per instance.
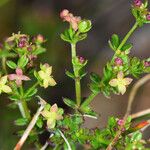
column 127, row 36
column 24, row 109
column 4, row 65
column 33, row 87
column 73, row 50
column 89, row 99
column 22, row 104
column 77, row 77
column 93, row 95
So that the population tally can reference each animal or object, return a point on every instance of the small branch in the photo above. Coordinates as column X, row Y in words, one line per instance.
column 89, row 99
column 140, row 114
column 128, row 35
column 63, row 136
column 90, row 116
column 30, row 126
column 132, row 95
column 134, row 90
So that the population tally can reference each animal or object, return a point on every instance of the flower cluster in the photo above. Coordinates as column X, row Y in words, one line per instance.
column 141, row 12
column 73, row 20
column 78, row 27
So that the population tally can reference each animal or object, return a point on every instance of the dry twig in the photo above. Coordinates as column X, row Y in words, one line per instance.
column 31, row 125
column 140, row 114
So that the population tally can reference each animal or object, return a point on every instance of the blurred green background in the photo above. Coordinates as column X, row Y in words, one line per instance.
column 42, row 17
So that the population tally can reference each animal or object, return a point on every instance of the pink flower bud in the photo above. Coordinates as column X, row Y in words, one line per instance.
column 64, row 13
column 69, row 17
column 120, row 122
column 40, row 38
column 137, row 3
column 118, row 61
column 147, row 63
column 81, row 60
column 21, row 44
column 23, row 39
column 29, row 48
column 32, row 57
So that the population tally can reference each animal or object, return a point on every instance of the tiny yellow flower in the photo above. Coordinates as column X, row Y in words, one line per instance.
column 52, row 115
column 45, row 76
column 120, row 82
column 3, row 87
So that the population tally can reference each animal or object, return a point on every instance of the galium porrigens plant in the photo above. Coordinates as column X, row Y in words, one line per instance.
column 19, row 67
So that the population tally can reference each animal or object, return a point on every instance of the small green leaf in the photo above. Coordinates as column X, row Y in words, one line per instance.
column 84, row 26
column 39, row 122
column 47, row 107
column 88, row 111
column 14, row 97
column 69, row 74
column 82, row 74
column 146, row 3
column 5, row 53
column 30, row 92
column 71, row 33
column 21, row 121
column 11, row 64
column 136, row 67
column 68, row 35
column 112, row 122
column 135, row 13
column 39, row 50
column 69, row 103
column 111, row 45
column 108, row 73
column 81, row 37
column 95, row 78
column 136, row 136
column 128, row 122
column 94, row 88
column 12, row 105
column 127, row 47
column 64, row 38
column 129, row 119
column 22, row 62
column 115, row 41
